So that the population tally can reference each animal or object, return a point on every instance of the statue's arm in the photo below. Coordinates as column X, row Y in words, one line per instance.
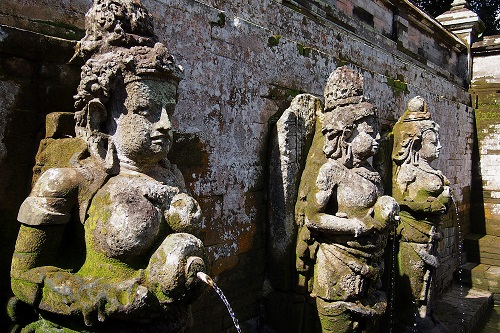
column 423, row 203
column 44, row 215
column 322, row 214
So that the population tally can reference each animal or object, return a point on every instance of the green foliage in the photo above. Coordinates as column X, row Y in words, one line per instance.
column 488, row 11
column 434, row 7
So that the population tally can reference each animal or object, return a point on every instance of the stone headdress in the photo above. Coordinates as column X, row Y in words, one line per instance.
column 119, row 47
column 344, row 106
column 408, row 131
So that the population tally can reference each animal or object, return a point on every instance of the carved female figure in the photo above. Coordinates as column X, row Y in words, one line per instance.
column 343, row 216
column 120, row 205
column 424, row 196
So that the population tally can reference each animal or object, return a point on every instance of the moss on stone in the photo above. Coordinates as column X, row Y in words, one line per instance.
column 304, row 50
column 273, row 41
column 221, row 22
column 97, row 264
column 398, row 84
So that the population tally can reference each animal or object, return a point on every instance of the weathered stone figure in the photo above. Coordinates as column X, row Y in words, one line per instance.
column 424, row 196
column 343, row 218
column 106, row 244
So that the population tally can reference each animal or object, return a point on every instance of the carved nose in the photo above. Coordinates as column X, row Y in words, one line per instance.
column 163, row 125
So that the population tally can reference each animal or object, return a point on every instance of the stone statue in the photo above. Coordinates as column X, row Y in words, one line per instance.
column 424, row 196
column 106, row 244
column 343, row 218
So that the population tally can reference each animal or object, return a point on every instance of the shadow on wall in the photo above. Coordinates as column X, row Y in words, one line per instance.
column 35, row 79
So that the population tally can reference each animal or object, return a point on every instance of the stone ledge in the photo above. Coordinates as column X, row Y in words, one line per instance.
column 481, row 276
column 33, row 45
column 461, row 309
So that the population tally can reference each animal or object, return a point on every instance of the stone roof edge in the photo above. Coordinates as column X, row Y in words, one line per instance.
column 430, row 23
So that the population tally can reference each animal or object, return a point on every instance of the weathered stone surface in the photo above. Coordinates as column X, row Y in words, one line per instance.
column 343, row 220
column 106, row 241
column 289, row 145
column 244, row 61
column 423, row 194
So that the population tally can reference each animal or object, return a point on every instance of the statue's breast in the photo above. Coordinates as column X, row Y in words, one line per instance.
column 125, row 216
column 425, row 183
column 357, row 193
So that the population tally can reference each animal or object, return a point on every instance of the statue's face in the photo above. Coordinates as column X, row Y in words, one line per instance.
column 365, row 139
column 430, row 146
column 143, row 132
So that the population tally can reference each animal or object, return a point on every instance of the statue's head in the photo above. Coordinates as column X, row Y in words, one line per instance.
column 128, row 85
column 416, row 135
column 349, row 122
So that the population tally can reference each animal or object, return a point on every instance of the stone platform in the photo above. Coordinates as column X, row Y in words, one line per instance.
column 461, row 309
column 483, row 277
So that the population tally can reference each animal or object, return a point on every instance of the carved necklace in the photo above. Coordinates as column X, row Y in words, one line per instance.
column 427, row 168
column 368, row 173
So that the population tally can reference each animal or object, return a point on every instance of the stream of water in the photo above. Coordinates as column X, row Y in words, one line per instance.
column 208, row 280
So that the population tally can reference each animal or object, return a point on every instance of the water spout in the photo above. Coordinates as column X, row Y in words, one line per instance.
column 208, row 280
column 205, row 278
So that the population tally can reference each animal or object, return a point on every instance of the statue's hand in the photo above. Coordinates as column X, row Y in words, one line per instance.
column 436, row 206
column 171, row 273
column 386, row 210
column 119, row 300
column 184, row 214
column 445, row 197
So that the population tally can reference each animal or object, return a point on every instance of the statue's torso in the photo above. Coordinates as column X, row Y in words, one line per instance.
column 126, row 217
column 420, row 182
column 357, row 189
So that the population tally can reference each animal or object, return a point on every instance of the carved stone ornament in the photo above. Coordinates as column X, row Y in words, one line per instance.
column 424, row 196
column 343, row 219
column 107, row 239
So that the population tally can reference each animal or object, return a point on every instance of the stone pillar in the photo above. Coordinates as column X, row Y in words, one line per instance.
column 465, row 24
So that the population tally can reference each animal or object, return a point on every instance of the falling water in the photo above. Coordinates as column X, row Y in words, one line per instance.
column 460, row 255
column 392, row 282
column 208, row 280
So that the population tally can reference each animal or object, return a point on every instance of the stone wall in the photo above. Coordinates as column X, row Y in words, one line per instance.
column 244, row 61
column 34, row 80
column 485, row 90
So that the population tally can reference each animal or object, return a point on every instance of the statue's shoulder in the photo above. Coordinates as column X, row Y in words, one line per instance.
column 331, row 173
column 52, row 198
column 407, row 173
column 58, row 183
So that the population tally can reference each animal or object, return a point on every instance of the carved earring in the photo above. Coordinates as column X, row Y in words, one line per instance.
column 111, row 160
column 96, row 115
column 347, row 158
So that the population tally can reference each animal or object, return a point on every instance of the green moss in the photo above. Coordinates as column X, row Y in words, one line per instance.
column 97, row 264
column 303, row 50
column 398, row 85
column 273, row 41
column 57, row 153
column 221, row 22
column 70, row 31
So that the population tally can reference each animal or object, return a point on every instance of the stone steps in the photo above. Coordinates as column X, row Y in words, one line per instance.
column 461, row 309
column 492, row 220
column 483, row 249
column 481, row 276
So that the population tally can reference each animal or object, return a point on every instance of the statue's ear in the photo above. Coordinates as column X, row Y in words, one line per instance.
column 96, row 114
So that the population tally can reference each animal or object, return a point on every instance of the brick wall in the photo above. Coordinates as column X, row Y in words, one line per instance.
column 244, row 61
column 485, row 89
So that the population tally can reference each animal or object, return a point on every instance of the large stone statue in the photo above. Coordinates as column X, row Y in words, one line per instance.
column 424, row 196
column 106, row 243
column 343, row 218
